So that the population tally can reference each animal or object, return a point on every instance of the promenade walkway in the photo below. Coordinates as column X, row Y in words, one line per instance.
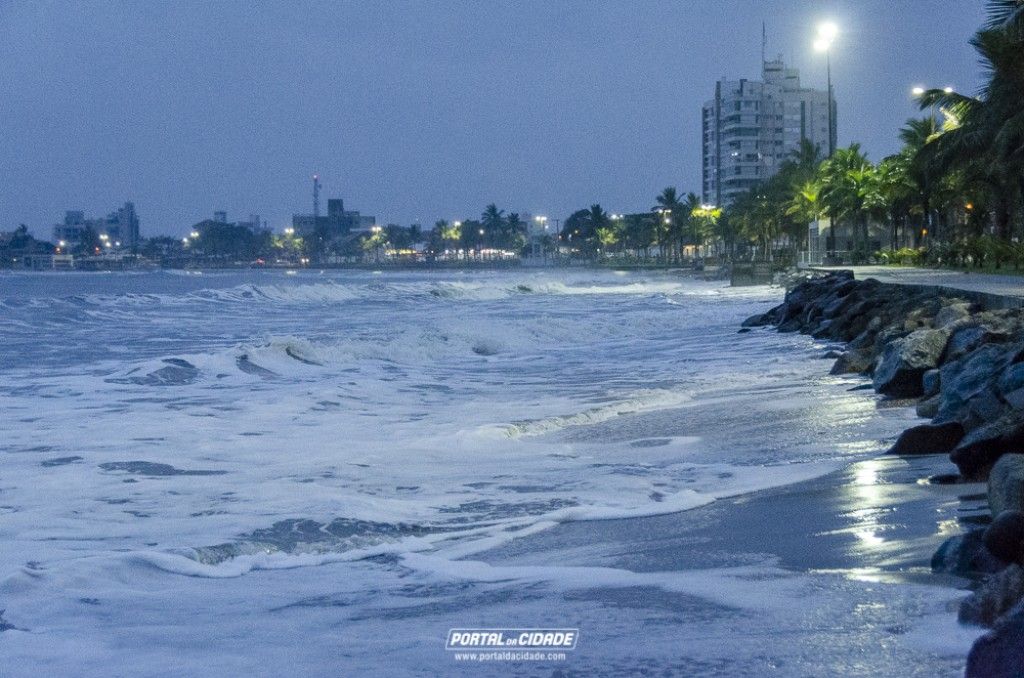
column 983, row 283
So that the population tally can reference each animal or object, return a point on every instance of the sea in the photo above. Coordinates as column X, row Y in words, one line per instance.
column 256, row 473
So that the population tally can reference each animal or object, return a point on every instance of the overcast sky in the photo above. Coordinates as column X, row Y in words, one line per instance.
column 414, row 111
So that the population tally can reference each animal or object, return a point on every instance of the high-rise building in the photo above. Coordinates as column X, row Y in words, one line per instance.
column 752, row 126
column 120, row 229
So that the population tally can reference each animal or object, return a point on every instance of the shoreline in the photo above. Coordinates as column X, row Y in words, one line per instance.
column 859, row 542
column 873, row 516
column 959, row 356
column 897, row 518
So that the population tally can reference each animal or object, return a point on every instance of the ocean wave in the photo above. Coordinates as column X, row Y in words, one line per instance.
column 329, row 291
column 641, row 401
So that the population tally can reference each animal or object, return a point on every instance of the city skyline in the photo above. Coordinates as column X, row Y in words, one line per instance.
column 418, row 112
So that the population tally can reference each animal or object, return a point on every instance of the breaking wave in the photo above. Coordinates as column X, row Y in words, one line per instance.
column 640, row 402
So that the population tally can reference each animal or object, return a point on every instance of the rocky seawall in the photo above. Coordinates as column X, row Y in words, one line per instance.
column 960, row 356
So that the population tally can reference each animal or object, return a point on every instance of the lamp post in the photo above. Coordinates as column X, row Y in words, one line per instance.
column 537, row 245
column 919, row 91
column 827, row 33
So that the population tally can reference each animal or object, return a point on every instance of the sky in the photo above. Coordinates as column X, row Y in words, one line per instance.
column 415, row 111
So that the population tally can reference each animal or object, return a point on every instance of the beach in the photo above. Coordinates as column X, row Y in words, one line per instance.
column 325, row 473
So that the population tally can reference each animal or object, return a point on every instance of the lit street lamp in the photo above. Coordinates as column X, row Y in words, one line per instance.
column 827, row 33
column 535, row 242
column 918, row 91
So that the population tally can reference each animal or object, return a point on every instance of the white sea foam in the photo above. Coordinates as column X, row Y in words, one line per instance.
column 372, row 430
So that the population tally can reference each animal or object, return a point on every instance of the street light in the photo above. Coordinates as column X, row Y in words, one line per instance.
column 919, row 91
column 827, row 33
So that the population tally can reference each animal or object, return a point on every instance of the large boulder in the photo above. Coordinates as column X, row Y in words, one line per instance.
column 983, row 446
column 1011, row 379
column 971, row 376
column 929, row 407
column 966, row 555
column 904, row 362
column 965, row 339
column 855, row 360
column 930, row 383
column 1006, row 484
column 760, row 320
column 954, row 311
column 988, row 327
column 1000, row 652
column 928, row 439
column 994, row 598
column 1004, row 538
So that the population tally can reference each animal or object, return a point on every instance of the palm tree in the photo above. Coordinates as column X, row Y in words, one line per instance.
column 597, row 220
column 803, row 162
column 852, row 191
column 806, row 205
column 900, row 193
column 514, row 233
column 450, row 233
column 671, row 224
column 990, row 128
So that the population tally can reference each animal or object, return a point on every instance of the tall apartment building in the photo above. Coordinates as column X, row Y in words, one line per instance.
column 120, row 228
column 751, row 127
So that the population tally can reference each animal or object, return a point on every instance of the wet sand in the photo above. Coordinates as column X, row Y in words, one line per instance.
column 859, row 540
column 875, row 514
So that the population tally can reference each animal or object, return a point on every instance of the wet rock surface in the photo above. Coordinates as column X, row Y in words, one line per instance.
column 966, row 363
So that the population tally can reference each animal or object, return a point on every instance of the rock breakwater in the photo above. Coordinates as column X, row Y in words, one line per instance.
column 961, row 356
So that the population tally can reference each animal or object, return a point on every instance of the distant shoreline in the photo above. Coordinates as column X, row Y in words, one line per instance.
column 435, row 266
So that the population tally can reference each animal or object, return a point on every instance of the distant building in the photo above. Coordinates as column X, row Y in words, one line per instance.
column 254, row 223
column 751, row 127
column 338, row 222
column 120, row 229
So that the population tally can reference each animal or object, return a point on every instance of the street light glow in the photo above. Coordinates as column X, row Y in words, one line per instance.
column 821, row 45
column 947, row 90
column 917, row 91
column 828, row 31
